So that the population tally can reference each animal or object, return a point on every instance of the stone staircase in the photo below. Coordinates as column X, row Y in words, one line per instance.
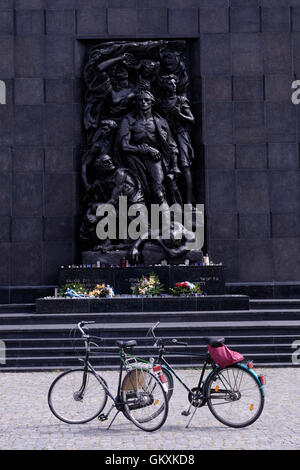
column 37, row 342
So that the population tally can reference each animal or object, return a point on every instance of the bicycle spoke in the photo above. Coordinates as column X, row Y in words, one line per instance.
column 144, row 399
column 73, row 401
column 236, row 387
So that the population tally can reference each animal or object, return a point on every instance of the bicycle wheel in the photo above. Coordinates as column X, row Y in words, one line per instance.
column 144, row 400
column 235, row 396
column 76, row 396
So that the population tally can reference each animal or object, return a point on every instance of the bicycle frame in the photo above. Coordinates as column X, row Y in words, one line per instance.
column 198, row 396
column 117, row 401
column 162, row 360
column 87, row 366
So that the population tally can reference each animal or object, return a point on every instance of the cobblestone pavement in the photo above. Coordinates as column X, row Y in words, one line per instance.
column 27, row 423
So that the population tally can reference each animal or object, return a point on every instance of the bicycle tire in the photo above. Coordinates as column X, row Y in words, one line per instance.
column 127, row 380
column 66, row 403
column 140, row 393
column 239, row 391
column 170, row 383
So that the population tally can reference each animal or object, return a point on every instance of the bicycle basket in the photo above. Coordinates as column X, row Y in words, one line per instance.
column 134, row 380
column 132, row 362
column 223, row 356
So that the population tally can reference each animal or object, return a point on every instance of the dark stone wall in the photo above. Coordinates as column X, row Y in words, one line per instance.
column 245, row 53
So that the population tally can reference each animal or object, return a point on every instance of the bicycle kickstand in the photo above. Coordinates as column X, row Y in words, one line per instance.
column 191, row 417
column 113, row 419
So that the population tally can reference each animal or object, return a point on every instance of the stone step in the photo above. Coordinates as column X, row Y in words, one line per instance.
column 114, row 359
column 105, row 367
column 16, row 308
column 42, row 341
column 265, row 290
column 141, row 350
column 133, row 317
column 137, row 330
column 24, row 294
column 65, row 342
column 274, row 304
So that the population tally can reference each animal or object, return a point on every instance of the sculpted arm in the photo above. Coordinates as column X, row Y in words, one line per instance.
column 184, row 113
column 128, row 147
column 110, row 62
column 119, row 181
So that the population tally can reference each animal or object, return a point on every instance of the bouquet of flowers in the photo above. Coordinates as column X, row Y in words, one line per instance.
column 101, row 290
column 73, row 290
column 186, row 288
column 148, row 286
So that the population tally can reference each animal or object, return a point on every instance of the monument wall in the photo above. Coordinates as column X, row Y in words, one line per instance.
column 243, row 56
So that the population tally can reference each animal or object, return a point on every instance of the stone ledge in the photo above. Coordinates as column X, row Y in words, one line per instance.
column 143, row 304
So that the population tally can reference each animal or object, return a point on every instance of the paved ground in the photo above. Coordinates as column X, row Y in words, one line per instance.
column 27, row 423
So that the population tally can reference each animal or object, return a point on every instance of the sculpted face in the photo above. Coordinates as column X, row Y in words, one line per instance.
column 170, row 59
column 169, row 83
column 104, row 163
column 148, row 67
column 144, row 101
column 106, row 127
column 120, row 76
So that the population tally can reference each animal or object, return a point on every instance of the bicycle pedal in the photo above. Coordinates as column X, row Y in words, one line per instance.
column 102, row 417
column 185, row 413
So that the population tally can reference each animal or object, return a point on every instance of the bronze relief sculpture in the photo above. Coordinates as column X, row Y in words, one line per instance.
column 138, row 121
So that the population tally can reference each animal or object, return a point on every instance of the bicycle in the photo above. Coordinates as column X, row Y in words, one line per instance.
column 237, row 387
column 80, row 395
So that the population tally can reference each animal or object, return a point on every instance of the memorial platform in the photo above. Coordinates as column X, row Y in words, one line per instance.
column 125, row 304
column 210, row 278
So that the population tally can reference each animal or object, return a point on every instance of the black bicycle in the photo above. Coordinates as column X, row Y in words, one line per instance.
column 80, row 395
column 234, row 394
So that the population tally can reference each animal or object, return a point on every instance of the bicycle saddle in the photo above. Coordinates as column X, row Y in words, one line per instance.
column 126, row 344
column 215, row 341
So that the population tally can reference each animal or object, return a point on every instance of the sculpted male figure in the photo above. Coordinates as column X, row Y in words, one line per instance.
column 149, row 148
column 111, row 182
column 102, row 145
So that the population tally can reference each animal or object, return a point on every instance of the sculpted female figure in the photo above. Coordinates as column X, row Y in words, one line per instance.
column 177, row 111
column 109, row 92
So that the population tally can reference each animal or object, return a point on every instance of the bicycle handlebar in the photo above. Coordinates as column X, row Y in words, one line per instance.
column 182, row 343
column 160, row 341
column 80, row 326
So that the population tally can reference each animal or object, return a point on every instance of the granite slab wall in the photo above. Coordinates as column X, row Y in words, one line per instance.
column 244, row 55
